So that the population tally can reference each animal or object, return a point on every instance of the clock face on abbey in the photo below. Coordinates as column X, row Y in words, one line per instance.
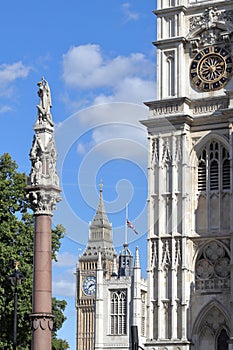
column 89, row 285
column 211, row 68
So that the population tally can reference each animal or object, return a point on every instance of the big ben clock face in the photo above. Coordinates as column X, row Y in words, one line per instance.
column 89, row 285
column 211, row 68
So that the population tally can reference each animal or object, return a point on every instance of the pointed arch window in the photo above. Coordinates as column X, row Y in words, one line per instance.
column 213, row 330
column 213, row 188
column 222, row 340
column 214, row 168
column 118, row 312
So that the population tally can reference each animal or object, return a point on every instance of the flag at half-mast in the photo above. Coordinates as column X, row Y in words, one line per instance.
column 129, row 224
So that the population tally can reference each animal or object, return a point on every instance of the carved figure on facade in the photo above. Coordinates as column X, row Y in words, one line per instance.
column 45, row 103
column 213, row 26
column 53, row 173
column 36, row 172
column 35, row 156
column 37, row 147
column 43, row 158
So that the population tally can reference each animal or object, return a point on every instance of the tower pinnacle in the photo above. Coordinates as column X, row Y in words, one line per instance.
column 100, row 219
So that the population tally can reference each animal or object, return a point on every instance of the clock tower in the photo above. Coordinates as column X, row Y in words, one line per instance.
column 100, row 241
column 190, row 178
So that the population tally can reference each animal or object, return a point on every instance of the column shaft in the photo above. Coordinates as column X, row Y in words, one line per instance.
column 41, row 317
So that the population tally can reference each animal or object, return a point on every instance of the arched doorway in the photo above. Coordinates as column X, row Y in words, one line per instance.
column 212, row 330
column 222, row 340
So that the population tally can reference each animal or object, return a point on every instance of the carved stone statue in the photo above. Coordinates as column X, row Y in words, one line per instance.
column 36, row 172
column 45, row 102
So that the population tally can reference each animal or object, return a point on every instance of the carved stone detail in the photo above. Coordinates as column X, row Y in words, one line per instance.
column 155, row 155
column 178, row 254
column 43, row 182
column 42, row 321
column 154, row 254
column 166, row 157
column 170, row 150
column 166, row 259
column 45, row 103
column 213, row 267
column 178, row 152
column 211, row 27
column 214, row 320
column 43, row 160
column 43, row 201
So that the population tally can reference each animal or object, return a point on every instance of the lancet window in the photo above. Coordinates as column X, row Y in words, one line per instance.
column 213, row 188
column 118, row 312
column 214, row 168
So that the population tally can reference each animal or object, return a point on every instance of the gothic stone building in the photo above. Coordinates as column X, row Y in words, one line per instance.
column 190, row 227
column 189, row 298
column 110, row 293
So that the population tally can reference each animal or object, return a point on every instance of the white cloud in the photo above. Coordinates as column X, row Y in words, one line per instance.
column 129, row 15
column 8, row 74
column 86, row 67
column 66, row 259
column 5, row 109
column 64, row 275
column 64, row 288
column 92, row 78
column 132, row 89
column 81, row 148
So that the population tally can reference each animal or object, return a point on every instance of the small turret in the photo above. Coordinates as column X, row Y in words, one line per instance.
column 125, row 262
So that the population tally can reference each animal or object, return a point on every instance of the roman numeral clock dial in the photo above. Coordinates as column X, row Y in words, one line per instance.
column 89, row 285
column 211, row 68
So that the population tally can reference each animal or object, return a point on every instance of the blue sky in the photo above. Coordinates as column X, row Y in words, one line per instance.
column 99, row 61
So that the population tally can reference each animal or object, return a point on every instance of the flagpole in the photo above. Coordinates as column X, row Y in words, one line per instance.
column 126, row 226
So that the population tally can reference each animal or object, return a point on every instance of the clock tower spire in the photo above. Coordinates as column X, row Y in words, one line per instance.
column 100, row 242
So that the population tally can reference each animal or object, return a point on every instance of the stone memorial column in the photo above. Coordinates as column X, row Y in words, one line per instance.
column 43, row 193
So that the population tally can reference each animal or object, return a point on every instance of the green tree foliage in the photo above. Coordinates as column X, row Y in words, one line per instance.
column 16, row 244
column 58, row 308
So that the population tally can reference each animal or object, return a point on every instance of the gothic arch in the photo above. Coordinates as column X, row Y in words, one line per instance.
column 203, row 141
column 211, row 321
column 211, row 181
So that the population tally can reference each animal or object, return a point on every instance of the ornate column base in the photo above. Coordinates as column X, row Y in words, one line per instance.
column 41, row 325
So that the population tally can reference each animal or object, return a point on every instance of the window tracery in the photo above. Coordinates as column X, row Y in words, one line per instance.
column 213, row 186
column 118, row 312
column 213, row 267
column 213, row 165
